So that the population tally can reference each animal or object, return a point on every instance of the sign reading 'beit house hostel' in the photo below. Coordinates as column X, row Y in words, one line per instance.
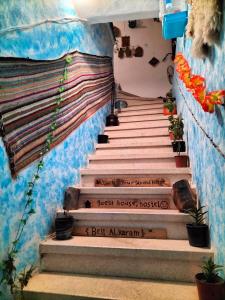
column 132, row 182
column 129, row 203
column 95, row 231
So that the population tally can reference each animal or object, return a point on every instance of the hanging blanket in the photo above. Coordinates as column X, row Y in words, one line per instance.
column 28, row 93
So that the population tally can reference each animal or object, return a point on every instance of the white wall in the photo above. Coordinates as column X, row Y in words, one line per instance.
column 103, row 11
column 136, row 75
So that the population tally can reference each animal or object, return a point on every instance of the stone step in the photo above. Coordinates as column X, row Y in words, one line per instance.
column 88, row 176
column 133, row 151
column 156, row 111
column 139, row 133
column 154, row 259
column 143, row 107
column 135, row 223
column 127, row 160
column 61, row 286
column 130, row 164
column 126, row 197
column 141, row 118
column 158, row 160
column 145, row 102
column 154, row 143
column 139, row 125
column 140, row 139
column 128, row 156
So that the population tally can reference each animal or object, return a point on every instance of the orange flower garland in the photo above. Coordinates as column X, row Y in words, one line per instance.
column 196, row 85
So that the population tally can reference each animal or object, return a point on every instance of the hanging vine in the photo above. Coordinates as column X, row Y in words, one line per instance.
column 9, row 275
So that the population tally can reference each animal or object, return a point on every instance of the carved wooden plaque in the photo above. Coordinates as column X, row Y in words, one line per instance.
column 127, row 203
column 121, row 232
column 132, row 182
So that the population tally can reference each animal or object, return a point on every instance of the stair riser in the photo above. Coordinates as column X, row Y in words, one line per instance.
column 139, row 140
column 175, row 231
column 55, row 296
column 154, row 132
column 135, row 150
column 147, row 107
column 141, row 118
column 89, row 179
column 136, row 102
column 135, row 265
column 149, row 112
column 124, row 201
column 140, row 125
column 129, row 164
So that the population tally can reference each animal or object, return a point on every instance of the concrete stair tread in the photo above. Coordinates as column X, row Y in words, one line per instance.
column 149, row 171
column 141, row 125
column 161, row 143
column 172, row 248
column 139, row 140
column 155, row 111
column 51, row 286
column 143, row 107
column 160, row 215
column 126, row 190
column 153, row 132
column 132, row 165
column 131, row 156
column 142, row 118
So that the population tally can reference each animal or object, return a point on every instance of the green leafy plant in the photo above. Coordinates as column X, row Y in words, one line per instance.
column 176, row 127
column 10, row 277
column 211, row 270
column 170, row 105
column 197, row 214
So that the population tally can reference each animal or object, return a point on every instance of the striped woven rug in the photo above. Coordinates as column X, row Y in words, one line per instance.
column 28, row 93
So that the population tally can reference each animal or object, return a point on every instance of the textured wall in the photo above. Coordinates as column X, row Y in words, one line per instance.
column 49, row 41
column 208, row 165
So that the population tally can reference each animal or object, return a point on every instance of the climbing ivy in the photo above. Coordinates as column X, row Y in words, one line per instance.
column 9, row 275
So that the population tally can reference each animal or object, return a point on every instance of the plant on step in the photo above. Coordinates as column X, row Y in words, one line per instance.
column 176, row 127
column 198, row 231
column 9, row 274
column 210, row 285
column 169, row 107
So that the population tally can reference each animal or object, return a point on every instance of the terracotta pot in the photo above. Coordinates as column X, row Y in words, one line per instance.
column 171, row 135
column 166, row 112
column 210, row 291
column 181, row 161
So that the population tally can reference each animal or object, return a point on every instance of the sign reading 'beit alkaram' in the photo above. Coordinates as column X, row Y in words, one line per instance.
column 122, row 232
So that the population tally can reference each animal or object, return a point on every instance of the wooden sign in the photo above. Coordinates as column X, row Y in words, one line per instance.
column 127, row 203
column 132, row 182
column 121, row 232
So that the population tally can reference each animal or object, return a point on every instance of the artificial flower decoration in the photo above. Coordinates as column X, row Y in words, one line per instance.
column 196, row 85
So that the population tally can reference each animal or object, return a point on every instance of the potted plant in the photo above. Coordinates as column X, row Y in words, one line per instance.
column 103, row 139
column 209, row 284
column 171, row 127
column 182, row 161
column 176, row 128
column 198, row 231
column 64, row 226
column 169, row 108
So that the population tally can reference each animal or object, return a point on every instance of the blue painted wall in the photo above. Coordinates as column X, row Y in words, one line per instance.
column 47, row 41
column 207, row 163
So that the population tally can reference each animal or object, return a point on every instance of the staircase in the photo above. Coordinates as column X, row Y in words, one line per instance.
column 131, row 242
